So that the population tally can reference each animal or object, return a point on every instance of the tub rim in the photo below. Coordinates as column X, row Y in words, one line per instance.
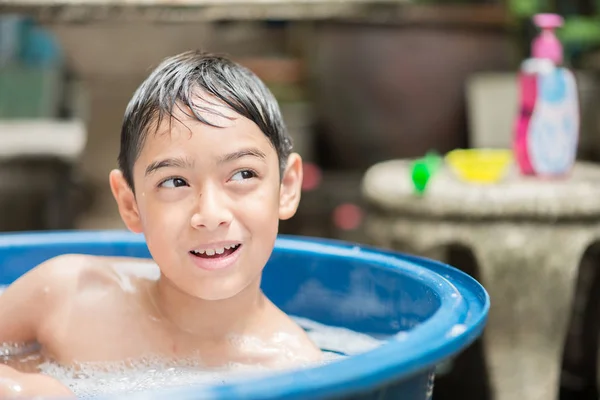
column 463, row 302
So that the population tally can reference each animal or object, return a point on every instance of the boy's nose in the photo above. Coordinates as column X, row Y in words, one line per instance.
column 211, row 212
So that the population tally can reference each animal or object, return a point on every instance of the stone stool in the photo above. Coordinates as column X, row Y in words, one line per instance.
column 529, row 241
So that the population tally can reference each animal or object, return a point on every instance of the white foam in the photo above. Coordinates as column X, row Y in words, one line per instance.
column 94, row 379
column 89, row 380
column 339, row 340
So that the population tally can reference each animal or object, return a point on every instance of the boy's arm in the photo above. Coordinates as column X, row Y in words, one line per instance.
column 14, row 384
column 24, row 307
column 26, row 304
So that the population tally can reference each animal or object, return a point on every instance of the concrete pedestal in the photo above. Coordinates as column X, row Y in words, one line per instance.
column 528, row 238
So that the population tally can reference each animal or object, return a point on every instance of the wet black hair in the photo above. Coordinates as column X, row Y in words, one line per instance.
column 180, row 81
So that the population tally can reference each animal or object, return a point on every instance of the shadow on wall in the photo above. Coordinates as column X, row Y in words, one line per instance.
column 386, row 91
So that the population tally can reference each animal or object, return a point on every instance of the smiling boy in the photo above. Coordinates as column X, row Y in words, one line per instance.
column 205, row 173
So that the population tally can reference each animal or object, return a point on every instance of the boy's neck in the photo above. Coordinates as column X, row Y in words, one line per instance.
column 208, row 319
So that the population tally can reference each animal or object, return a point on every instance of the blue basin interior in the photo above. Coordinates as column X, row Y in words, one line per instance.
column 426, row 310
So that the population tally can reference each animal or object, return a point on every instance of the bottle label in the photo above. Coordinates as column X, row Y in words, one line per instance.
column 554, row 129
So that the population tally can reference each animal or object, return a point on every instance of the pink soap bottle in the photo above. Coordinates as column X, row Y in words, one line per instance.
column 547, row 127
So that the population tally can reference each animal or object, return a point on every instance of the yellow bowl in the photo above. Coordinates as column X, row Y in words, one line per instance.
column 480, row 165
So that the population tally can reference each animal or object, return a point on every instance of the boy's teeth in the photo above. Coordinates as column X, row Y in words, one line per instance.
column 212, row 252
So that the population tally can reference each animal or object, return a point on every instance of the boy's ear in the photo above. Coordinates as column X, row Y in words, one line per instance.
column 125, row 201
column 291, row 187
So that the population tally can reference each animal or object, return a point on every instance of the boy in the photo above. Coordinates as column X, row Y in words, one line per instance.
column 205, row 173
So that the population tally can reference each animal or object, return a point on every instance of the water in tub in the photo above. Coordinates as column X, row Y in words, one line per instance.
column 93, row 379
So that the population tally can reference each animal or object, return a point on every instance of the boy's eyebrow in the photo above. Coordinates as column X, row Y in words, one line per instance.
column 252, row 152
column 180, row 162
column 177, row 162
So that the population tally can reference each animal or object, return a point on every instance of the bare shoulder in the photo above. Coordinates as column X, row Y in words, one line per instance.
column 48, row 285
column 38, row 295
column 72, row 273
column 102, row 299
column 287, row 333
column 32, row 298
column 62, row 276
column 66, row 271
column 305, row 344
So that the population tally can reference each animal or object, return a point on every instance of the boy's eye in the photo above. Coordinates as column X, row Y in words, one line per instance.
column 173, row 183
column 242, row 175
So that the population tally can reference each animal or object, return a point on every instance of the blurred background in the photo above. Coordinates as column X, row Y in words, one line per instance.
column 359, row 82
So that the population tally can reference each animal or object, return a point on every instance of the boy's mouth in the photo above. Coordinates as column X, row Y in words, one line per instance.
column 217, row 252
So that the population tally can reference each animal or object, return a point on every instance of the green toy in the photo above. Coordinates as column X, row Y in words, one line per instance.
column 423, row 169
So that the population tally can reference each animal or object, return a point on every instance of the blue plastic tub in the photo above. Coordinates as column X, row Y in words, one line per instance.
column 428, row 310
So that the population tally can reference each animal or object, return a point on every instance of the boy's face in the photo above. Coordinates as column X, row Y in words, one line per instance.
column 208, row 201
